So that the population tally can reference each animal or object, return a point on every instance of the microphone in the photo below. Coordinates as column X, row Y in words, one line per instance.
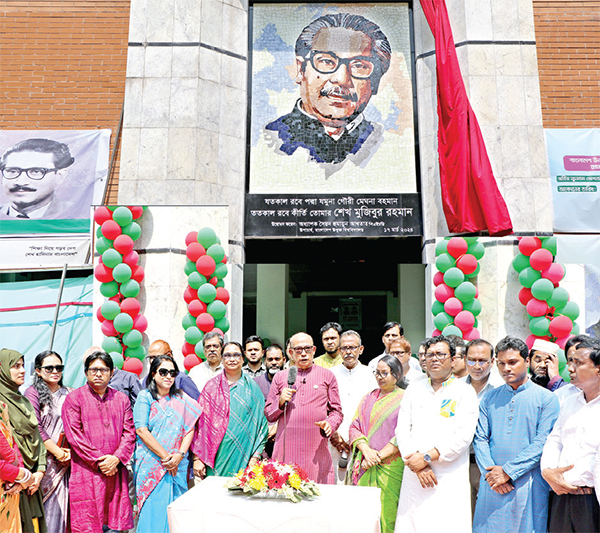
column 291, row 377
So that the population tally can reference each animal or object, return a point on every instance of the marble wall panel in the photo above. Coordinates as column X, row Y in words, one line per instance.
column 152, row 162
column 511, row 101
column 155, row 105
column 130, row 147
column 209, row 105
column 181, row 155
column 183, row 103
column 185, row 62
column 158, row 61
column 211, row 23
column 207, row 157
column 159, row 20
column 209, row 67
column 235, row 30
column 186, row 20
column 134, row 90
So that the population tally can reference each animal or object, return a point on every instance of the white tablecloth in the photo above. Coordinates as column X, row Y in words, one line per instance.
column 211, row 508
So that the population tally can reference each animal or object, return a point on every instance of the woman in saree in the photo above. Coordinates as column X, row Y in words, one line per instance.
column 232, row 429
column 47, row 395
column 25, row 430
column 164, row 418
column 376, row 461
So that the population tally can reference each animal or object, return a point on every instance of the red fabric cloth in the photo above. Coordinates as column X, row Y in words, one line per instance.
column 10, row 460
column 470, row 196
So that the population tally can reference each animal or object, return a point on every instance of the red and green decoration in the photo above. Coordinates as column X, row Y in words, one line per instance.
column 205, row 295
column 456, row 305
column 120, row 276
column 551, row 313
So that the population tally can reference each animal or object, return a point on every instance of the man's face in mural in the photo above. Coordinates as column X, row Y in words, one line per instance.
column 335, row 79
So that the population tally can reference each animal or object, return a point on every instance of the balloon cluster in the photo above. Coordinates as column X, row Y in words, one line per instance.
column 456, row 307
column 551, row 314
column 205, row 295
column 120, row 276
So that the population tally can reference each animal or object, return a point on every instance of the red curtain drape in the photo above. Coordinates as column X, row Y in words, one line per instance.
column 470, row 196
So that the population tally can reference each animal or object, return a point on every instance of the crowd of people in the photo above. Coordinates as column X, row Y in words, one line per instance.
column 463, row 437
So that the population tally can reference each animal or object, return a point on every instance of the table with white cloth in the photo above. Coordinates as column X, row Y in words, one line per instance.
column 210, row 508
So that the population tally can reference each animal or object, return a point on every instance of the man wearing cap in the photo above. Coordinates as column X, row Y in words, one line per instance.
column 543, row 365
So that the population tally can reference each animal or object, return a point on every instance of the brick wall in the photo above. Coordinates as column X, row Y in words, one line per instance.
column 63, row 66
column 568, row 48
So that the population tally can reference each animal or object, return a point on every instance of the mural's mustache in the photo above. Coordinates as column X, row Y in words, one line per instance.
column 342, row 92
column 18, row 188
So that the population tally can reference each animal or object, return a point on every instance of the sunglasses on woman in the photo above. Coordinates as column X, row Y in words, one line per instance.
column 53, row 368
column 165, row 372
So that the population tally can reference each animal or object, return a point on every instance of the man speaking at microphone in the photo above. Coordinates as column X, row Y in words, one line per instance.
column 312, row 412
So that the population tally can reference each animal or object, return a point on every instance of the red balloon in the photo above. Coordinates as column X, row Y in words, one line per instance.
column 137, row 273
column 117, row 298
column 525, row 295
column 555, row 273
column 140, row 323
column 540, row 259
column 111, row 230
column 562, row 342
column 464, row 320
column 528, row 245
column 123, row 244
column 438, row 278
column 191, row 237
column 205, row 265
column 191, row 361
column 436, row 332
column 102, row 214
column 457, row 246
column 213, row 281
column 195, row 251
column 190, row 294
column 222, row 295
column 453, row 306
column 561, row 326
column 133, row 365
column 196, row 308
column 188, row 349
column 99, row 315
column 205, row 322
column 131, row 258
column 467, row 263
column 130, row 306
column 224, row 260
column 108, row 329
column 471, row 334
column 102, row 273
column 136, row 211
column 220, row 332
column 537, row 307
column 443, row 292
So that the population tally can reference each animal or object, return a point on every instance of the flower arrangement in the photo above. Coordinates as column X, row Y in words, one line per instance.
column 274, row 479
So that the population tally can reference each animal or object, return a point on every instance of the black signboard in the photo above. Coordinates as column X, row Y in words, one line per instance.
column 333, row 215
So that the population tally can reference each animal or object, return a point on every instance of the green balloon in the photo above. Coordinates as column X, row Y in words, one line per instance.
column 220, row 270
column 103, row 244
column 222, row 324
column 117, row 359
column 122, row 273
column 565, row 375
column 477, row 249
column 111, row 344
column 188, row 321
column 465, row 292
column 528, row 276
column 138, row 352
column 133, row 230
column 444, row 261
column 570, row 309
column 220, row 283
column 110, row 309
column 111, row 258
column 559, row 298
column 193, row 335
column 550, row 244
column 217, row 252
column 123, row 322
column 441, row 320
column 122, row 216
column 195, row 280
column 441, row 247
column 474, row 273
column 476, row 323
column 562, row 360
column 453, row 277
column 539, row 326
column 474, row 306
column 99, row 232
column 207, row 237
column 471, row 240
column 111, row 207
column 452, row 330
column 132, row 338
column 542, row 289
column 189, row 267
column 436, row 309
column 130, row 289
column 575, row 330
column 109, row 289
column 199, row 350
column 217, row 309
column 207, row 293
column 520, row 262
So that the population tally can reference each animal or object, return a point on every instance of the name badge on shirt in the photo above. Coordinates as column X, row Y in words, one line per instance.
column 448, row 408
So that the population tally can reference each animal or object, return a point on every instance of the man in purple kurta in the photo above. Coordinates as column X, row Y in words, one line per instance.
column 98, row 424
column 313, row 412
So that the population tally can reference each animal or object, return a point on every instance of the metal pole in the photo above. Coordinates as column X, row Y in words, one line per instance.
column 60, row 291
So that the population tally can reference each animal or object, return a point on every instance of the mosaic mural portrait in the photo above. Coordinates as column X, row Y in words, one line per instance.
column 332, row 107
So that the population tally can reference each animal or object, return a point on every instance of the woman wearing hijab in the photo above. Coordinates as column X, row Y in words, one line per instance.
column 25, row 430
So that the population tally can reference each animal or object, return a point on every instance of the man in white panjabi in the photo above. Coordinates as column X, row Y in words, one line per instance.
column 436, row 424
